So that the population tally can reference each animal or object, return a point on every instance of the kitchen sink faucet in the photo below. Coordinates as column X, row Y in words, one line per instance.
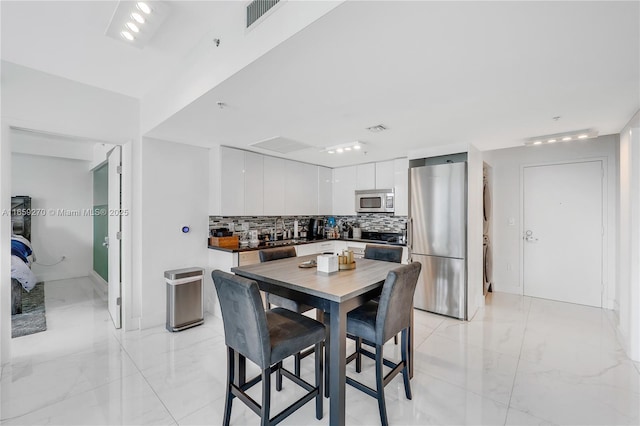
column 275, row 228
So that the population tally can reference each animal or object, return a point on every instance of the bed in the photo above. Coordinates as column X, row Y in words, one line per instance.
column 22, row 255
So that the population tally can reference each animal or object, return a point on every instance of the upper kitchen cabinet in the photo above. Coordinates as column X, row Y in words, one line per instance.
column 366, row 176
column 241, row 182
column 344, row 187
column 385, row 177
column 253, row 178
column 325, row 191
column 232, row 195
column 274, row 178
column 401, row 185
column 300, row 188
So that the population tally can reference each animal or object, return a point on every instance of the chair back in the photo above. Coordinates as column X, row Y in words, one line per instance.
column 245, row 322
column 276, row 253
column 396, row 301
column 386, row 253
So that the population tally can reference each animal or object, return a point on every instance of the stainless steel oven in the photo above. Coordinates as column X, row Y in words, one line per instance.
column 375, row 201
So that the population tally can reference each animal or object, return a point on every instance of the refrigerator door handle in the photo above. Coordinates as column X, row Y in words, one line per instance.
column 410, row 234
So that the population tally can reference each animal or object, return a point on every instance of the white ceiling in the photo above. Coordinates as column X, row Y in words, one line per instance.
column 67, row 39
column 486, row 73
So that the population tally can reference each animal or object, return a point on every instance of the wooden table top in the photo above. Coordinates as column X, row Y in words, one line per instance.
column 338, row 287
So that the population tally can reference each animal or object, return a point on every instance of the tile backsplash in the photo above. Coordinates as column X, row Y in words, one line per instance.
column 368, row 222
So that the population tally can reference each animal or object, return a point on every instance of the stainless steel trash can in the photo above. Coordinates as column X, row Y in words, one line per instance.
column 185, row 305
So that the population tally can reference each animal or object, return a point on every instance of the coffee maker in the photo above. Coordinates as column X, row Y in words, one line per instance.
column 316, row 229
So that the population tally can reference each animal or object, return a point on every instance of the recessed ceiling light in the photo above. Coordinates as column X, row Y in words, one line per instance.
column 357, row 145
column 144, row 7
column 133, row 27
column 137, row 17
column 566, row 136
column 127, row 35
column 140, row 19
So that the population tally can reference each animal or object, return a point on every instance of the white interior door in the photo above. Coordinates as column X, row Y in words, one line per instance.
column 563, row 232
column 115, row 203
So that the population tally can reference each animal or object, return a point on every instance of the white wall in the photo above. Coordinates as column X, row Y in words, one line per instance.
column 506, row 166
column 628, row 289
column 56, row 184
column 174, row 192
column 475, row 259
column 41, row 101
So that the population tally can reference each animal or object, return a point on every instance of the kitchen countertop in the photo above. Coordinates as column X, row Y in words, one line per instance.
column 298, row 242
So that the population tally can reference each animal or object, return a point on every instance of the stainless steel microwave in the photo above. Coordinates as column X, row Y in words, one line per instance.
column 375, row 201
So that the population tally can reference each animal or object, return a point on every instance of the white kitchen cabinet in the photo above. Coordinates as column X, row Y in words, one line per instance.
column 253, row 184
column 366, row 176
column 301, row 188
column 339, row 246
column 401, row 186
column 325, row 247
column 306, row 249
column 325, row 191
column 385, row 176
column 273, row 188
column 232, row 189
column 344, row 186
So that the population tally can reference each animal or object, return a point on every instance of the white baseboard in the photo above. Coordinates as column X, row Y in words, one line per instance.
column 100, row 285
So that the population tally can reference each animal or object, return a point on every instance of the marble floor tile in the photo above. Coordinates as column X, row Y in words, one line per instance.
column 564, row 398
column 484, row 372
column 127, row 401
column 519, row 418
column 34, row 383
column 503, row 337
column 435, row 402
column 519, row 361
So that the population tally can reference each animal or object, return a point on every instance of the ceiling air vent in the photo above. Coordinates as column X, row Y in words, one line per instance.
column 257, row 8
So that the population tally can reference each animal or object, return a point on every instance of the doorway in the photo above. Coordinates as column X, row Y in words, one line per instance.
column 563, row 231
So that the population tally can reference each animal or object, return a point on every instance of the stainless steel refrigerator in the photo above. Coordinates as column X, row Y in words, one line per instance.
column 438, row 236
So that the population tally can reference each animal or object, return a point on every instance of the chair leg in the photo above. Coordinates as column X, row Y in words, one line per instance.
column 319, row 379
column 405, row 370
column 380, row 386
column 230, row 378
column 279, row 377
column 266, row 396
column 296, row 364
column 327, row 359
column 358, row 354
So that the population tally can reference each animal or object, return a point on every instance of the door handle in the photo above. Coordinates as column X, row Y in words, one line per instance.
column 528, row 237
column 106, row 242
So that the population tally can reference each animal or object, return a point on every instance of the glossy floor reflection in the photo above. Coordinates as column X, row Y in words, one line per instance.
column 520, row 361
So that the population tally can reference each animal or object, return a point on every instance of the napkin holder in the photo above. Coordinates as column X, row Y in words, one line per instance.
column 327, row 264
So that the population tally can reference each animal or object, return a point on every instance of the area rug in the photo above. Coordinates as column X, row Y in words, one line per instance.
column 33, row 318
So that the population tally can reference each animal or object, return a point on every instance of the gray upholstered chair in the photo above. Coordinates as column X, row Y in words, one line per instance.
column 378, row 322
column 388, row 254
column 265, row 338
column 276, row 253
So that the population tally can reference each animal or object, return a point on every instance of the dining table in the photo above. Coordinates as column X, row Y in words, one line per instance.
column 333, row 294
